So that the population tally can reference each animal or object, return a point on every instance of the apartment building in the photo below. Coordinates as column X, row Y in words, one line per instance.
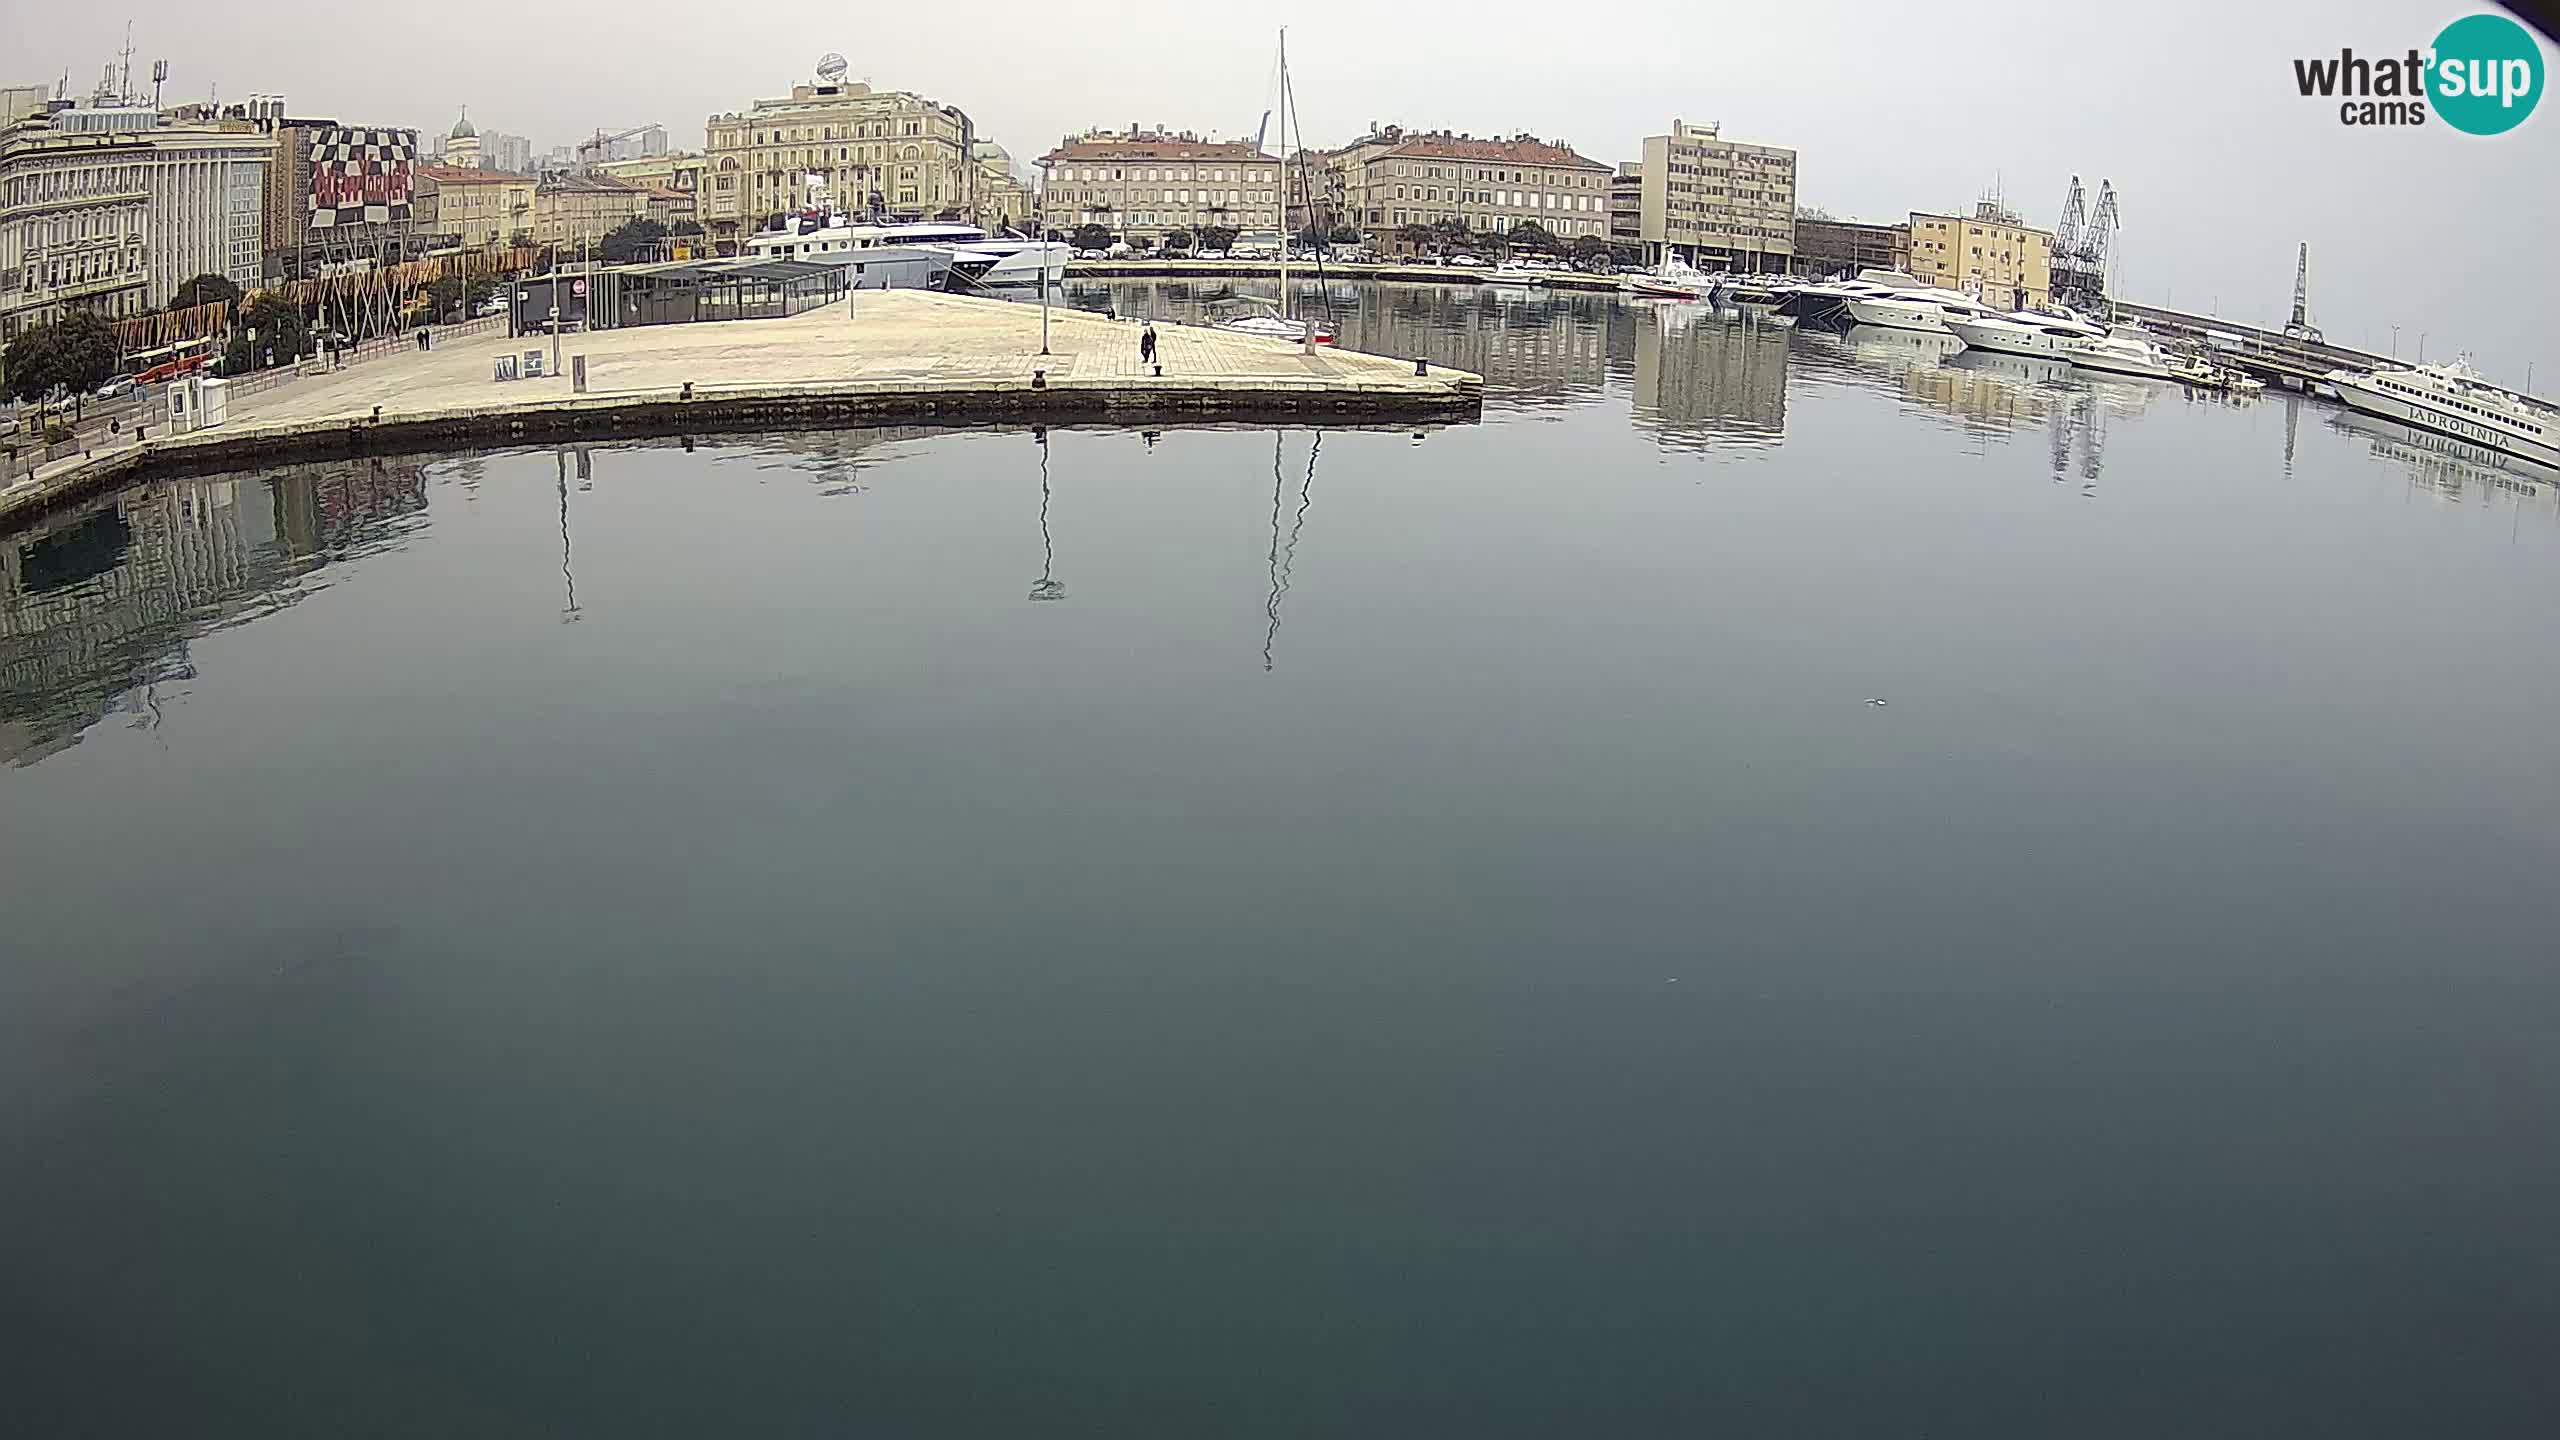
column 1146, row 184
column 481, row 206
column 1717, row 203
column 1989, row 253
column 1394, row 178
column 1845, row 247
column 890, row 151
column 1626, row 204
column 574, row 212
column 679, row 170
column 111, row 208
column 74, row 209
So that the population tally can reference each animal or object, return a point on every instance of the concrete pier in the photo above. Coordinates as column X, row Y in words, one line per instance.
column 902, row 356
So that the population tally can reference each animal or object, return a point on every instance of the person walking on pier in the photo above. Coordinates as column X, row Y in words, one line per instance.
column 1147, row 344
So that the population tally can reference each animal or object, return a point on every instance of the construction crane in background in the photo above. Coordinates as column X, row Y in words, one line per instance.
column 2300, row 326
column 592, row 151
column 2080, row 246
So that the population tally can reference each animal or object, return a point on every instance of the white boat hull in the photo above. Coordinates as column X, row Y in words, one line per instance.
column 2009, row 340
column 1891, row 314
column 2359, row 393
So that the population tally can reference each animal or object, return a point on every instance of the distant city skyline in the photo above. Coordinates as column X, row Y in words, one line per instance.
column 2224, row 169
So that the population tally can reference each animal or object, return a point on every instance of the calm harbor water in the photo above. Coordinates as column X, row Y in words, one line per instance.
column 1781, row 884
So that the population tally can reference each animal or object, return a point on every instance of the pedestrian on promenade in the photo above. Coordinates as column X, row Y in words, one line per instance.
column 1147, row 344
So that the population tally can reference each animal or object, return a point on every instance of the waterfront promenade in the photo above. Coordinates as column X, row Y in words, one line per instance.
column 906, row 356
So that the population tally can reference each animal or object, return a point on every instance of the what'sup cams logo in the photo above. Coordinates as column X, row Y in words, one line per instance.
column 2482, row 76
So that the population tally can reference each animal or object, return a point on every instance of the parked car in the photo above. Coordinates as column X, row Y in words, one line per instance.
column 1211, row 255
column 1093, row 255
column 120, row 386
column 1464, row 260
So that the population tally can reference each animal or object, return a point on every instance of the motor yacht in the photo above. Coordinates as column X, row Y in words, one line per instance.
column 830, row 238
column 2455, row 400
column 2024, row 332
column 1924, row 308
column 2127, row 350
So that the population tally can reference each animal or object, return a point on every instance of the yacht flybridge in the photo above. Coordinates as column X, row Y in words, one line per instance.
column 2454, row 400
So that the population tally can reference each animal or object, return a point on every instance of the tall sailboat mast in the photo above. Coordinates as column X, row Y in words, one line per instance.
column 1284, row 172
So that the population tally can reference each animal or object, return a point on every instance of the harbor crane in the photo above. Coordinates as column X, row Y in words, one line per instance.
column 2300, row 326
column 2080, row 245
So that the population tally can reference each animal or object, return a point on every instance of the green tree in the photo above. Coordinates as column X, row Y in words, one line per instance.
column 1417, row 237
column 1531, row 236
column 1588, row 248
column 206, row 289
column 1177, row 240
column 1217, row 237
column 442, row 295
column 280, row 329
column 75, row 353
column 630, row 240
column 1093, row 237
column 1345, row 235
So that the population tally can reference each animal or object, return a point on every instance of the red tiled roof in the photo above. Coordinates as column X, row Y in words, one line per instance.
column 1153, row 147
column 1499, row 152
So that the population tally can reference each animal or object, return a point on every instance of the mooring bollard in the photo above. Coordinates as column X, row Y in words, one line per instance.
column 377, row 414
column 1039, row 379
column 1421, row 366
column 688, row 390
column 1159, row 372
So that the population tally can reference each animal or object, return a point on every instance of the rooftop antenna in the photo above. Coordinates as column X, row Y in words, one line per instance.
column 124, row 70
column 159, row 77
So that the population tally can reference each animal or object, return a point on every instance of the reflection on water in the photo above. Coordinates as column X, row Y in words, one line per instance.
column 1491, row 910
column 98, row 607
column 2446, row 468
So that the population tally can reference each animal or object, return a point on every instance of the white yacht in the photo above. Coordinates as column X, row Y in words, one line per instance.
column 1515, row 275
column 2126, row 350
column 2454, row 400
column 1923, row 308
column 832, row 238
column 2024, row 332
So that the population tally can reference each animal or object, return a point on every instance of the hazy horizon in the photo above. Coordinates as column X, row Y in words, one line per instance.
column 2190, row 111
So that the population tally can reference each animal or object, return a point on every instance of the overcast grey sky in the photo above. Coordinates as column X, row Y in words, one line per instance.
column 2189, row 108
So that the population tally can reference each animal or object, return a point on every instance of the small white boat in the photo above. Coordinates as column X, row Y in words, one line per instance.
column 1673, row 279
column 1515, row 275
column 1274, row 327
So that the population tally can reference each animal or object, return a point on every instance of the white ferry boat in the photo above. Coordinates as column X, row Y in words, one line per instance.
column 2454, row 400
column 835, row 239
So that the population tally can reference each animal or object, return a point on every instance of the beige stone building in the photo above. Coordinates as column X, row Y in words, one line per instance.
column 1717, row 203
column 574, row 212
column 484, row 207
column 1146, row 184
column 1393, row 178
column 73, row 209
column 1989, row 253
column 677, row 170
column 1004, row 199
column 887, row 150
